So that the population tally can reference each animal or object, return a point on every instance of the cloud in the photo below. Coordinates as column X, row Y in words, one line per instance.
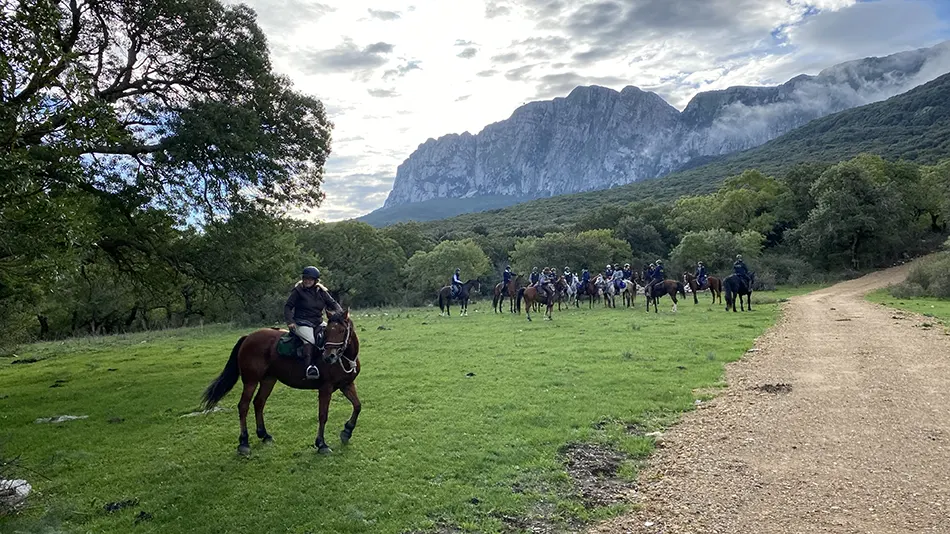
column 461, row 42
column 402, row 70
column 352, row 195
column 593, row 55
column 281, row 15
column 467, row 53
column 347, row 57
column 519, row 73
column 383, row 15
column 554, row 85
column 382, row 93
column 870, row 28
column 507, row 57
column 496, row 9
column 463, row 98
column 486, row 73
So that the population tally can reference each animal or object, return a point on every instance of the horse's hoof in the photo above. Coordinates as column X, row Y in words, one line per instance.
column 324, row 450
column 344, row 437
column 267, row 440
column 244, row 450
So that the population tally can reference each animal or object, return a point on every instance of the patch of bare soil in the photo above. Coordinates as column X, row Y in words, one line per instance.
column 858, row 445
column 593, row 468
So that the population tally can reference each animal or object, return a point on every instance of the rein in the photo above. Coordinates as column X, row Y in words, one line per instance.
column 344, row 345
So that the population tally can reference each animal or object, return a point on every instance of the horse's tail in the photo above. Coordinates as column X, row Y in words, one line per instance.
column 681, row 289
column 226, row 380
column 441, row 306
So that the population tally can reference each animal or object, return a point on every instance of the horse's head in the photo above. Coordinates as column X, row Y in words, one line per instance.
column 338, row 335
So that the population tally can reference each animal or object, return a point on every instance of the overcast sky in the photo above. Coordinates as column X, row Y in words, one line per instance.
column 393, row 74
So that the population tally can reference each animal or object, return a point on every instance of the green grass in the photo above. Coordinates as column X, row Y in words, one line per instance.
column 433, row 447
column 930, row 307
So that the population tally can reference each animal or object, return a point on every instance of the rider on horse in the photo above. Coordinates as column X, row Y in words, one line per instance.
column 545, row 283
column 506, row 277
column 701, row 274
column 617, row 279
column 608, row 272
column 304, row 313
column 534, row 276
column 456, row 282
column 658, row 276
column 741, row 270
column 568, row 276
column 627, row 272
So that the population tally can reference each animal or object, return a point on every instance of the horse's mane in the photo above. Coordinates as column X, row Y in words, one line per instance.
column 338, row 318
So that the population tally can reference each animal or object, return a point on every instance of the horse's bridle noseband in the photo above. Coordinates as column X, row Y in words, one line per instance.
column 343, row 346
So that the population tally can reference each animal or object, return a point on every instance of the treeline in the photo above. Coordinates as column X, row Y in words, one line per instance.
column 815, row 220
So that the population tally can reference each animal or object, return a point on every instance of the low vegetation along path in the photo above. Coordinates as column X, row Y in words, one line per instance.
column 839, row 421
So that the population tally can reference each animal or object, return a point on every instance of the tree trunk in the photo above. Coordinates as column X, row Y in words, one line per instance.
column 44, row 326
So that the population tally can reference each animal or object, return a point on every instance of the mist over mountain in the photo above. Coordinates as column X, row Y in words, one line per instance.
column 597, row 138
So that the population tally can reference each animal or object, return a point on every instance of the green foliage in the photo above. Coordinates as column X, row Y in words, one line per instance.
column 864, row 209
column 364, row 265
column 409, row 237
column 427, row 272
column 717, row 249
column 929, row 277
column 591, row 249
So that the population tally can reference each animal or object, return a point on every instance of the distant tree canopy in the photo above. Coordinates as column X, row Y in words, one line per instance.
column 427, row 272
column 592, row 249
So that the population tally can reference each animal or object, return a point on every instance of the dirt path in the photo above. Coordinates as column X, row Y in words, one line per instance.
column 859, row 444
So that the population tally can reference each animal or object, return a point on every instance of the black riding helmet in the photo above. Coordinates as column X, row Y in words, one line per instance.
column 311, row 272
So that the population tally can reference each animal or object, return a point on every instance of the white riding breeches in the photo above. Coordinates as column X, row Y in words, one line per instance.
column 306, row 334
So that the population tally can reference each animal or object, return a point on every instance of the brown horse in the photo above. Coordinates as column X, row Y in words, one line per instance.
column 590, row 289
column 254, row 358
column 510, row 293
column 667, row 287
column 531, row 297
column 713, row 284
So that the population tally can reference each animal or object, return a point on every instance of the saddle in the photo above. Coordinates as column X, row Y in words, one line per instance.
column 290, row 345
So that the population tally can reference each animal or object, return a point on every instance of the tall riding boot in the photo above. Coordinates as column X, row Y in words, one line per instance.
column 312, row 372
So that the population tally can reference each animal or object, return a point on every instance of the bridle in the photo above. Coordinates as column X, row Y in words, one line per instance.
column 341, row 357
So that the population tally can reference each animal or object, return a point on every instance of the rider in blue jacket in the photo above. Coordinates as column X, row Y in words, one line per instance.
column 740, row 269
column 506, row 276
column 535, row 276
column 701, row 274
column 456, row 282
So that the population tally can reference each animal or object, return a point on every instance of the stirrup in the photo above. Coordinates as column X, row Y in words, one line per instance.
column 312, row 376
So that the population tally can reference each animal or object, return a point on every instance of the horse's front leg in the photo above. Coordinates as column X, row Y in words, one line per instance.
column 350, row 393
column 321, row 445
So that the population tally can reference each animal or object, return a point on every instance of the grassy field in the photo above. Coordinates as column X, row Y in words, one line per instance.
column 930, row 307
column 464, row 425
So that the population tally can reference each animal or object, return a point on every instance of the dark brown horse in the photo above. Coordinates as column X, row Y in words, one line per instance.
column 667, row 287
column 531, row 297
column 737, row 287
column 511, row 293
column 713, row 284
column 590, row 289
column 445, row 297
column 254, row 358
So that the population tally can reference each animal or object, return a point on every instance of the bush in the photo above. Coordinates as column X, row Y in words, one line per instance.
column 929, row 278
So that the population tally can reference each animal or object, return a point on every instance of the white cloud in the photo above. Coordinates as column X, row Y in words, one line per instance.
column 393, row 78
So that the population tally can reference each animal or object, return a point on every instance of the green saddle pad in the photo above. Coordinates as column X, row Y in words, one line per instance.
column 288, row 346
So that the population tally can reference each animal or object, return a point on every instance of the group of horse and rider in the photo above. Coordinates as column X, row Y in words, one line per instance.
column 547, row 282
